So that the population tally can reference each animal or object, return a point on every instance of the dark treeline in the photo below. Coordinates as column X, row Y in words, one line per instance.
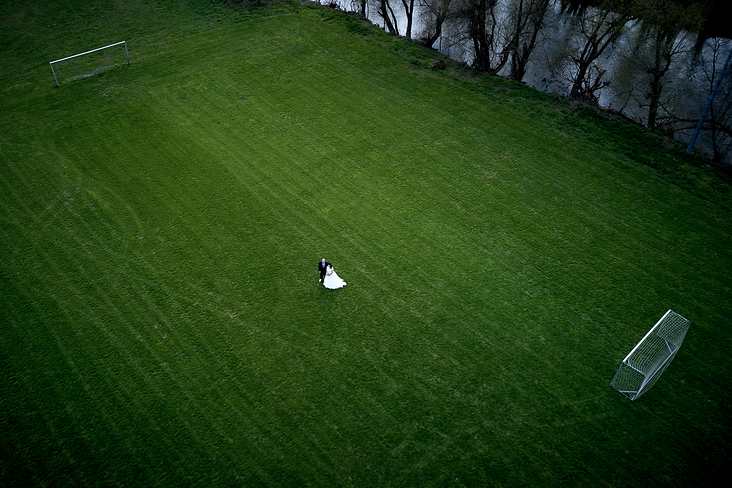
column 655, row 61
column 717, row 14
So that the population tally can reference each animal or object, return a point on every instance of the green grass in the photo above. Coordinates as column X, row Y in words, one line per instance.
column 162, row 324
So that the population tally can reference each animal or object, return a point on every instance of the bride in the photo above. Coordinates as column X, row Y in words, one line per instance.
column 332, row 280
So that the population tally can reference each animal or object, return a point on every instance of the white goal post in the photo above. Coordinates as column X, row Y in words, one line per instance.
column 642, row 367
column 99, row 49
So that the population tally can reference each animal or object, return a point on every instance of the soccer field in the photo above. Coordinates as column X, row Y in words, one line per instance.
column 161, row 319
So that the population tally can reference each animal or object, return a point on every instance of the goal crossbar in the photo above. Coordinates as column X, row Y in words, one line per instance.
column 653, row 329
column 127, row 53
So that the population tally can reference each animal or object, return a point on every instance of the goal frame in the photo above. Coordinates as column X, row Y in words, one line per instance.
column 649, row 377
column 127, row 53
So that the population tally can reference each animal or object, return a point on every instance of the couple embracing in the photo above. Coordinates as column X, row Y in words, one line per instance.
column 328, row 276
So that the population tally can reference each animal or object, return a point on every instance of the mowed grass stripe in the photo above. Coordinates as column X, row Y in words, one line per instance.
column 144, row 373
column 72, row 413
column 127, row 316
column 491, row 286
column 252, row 150
column 127, row 342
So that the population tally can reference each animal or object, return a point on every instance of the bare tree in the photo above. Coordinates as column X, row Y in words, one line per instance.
column 719, row 121
column 361, row 4
column 409, row 12
column 526, row 18
column 712, row 60
column 386, row 12
column 668, row 31
column 477, row 22
column 434, row 14
column 593, row 31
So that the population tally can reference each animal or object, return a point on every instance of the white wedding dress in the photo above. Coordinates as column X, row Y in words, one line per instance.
column 332, row 280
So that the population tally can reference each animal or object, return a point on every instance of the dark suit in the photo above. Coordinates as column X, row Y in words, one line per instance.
column 322, row 267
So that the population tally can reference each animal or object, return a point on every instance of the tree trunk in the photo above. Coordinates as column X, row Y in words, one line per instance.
column 600, row 29
column 579, row 79
column 479, row 36
column 383, row 11
column 409, row 11
column 655, row 85
column 439, row 10
column 536, row 16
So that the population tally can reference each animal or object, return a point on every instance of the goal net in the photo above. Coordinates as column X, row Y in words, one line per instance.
column 642, row 367
column 89, row 63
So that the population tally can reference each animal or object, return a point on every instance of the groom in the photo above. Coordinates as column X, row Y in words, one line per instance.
column 322, row 267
